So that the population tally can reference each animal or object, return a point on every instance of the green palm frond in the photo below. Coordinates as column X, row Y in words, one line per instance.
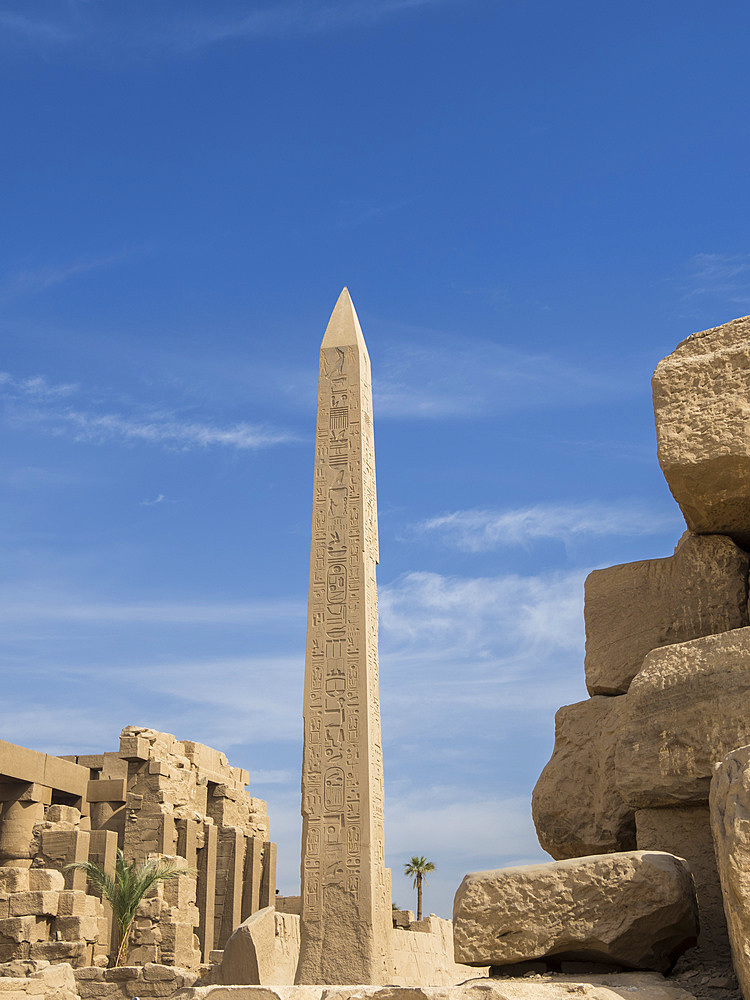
column 126, row 890
column 417, row 867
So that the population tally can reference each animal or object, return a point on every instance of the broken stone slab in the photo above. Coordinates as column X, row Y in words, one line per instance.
column 633, row 985
column 700, row 396
column 636, row 909
column 263, row 949
column 685, row 710
column 576, row 808
column 633, row 608
column 730, row 824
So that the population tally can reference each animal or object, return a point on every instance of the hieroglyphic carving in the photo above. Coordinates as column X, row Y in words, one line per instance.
column 344, row 881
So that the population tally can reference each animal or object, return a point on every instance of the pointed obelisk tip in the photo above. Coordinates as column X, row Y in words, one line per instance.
column 343, row 326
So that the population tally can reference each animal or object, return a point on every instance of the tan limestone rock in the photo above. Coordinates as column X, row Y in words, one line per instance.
column 576, row 808
column 687, row 708
column 701, row 393
column 345, row 913
column 263, row 950
column 423, row 955
column 634, row 909
column 730, row 822
column 686, row 832
column 633, row 985
column 631, row 609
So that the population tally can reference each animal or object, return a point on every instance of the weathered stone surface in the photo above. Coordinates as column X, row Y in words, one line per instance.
column 631, row 609
column 700, row 404
column 730, row 823
column 423, row 955
column 685, row 710
column 635, row 909
column 577, row 809
column 263, row 950
column 38, row 980
column 686, row 832
column 345, row 914
column 633, row 985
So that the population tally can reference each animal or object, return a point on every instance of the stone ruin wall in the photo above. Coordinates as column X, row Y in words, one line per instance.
column 154, row 796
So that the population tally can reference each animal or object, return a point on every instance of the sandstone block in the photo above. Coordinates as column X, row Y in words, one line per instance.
column 635, row 909
column 26, row 928
column 730, row 823
column 73, row 903
column 56, row 977
column 76, row 953
column 34, row 903
column 14, row 879
column 686, row 709
column 700, row 404
column 76, row 928
column 45, row 880
column 686, row 832
column 64, row 814
column 100, row 991
column 91, row 973
column 123, row 973
column 249, row 954
column 577, row 810
column 631, row 609
column 152, row 972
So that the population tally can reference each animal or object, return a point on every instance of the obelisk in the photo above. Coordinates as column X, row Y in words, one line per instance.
column 345, row 916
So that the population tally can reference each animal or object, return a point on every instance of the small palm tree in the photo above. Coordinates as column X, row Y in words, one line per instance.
column 126, row 890
column 417, row 868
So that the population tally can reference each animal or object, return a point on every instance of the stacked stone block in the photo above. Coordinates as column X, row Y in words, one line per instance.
column 668, row 645
column 154, row 797
column 42, row 919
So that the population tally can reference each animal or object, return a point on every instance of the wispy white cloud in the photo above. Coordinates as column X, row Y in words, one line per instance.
column 482, row 619
column 483, row 530
column 152, row 503
column 29, row 280
column 34, row 29
column 48, row 607
column 719, row 275
column 469, row 377
column 180, row 29
column 37, row 401
column 262, row 776
column 285, row 20
column 174, row 433
column 36, row 388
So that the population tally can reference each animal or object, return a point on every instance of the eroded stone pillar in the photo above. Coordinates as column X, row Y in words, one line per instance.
column 345, row 914
column 22, row 807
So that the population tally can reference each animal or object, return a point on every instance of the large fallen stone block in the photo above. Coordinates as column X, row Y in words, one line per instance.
column 263, row 949
column 576, row 808
column 635, row 909
column 631, row 609
column 685, row 710
column 730, row 823
column 700, row 404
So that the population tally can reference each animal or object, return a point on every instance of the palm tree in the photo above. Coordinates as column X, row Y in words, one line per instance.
column 417, row 868
column 126, row 890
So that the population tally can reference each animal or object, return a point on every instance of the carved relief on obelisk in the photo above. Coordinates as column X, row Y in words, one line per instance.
column 346, row 921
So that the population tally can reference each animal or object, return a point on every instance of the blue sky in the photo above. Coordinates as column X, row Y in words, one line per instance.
column 531, row 203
